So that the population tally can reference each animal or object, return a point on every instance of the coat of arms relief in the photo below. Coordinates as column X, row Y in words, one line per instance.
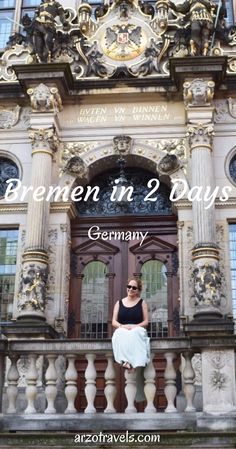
column 121, row 38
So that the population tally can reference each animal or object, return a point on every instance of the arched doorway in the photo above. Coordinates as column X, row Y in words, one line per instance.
column 100, row 265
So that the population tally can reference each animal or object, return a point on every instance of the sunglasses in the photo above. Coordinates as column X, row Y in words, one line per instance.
column 132, row 286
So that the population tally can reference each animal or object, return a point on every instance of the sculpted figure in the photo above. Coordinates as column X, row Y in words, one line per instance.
column 198, row 92
column 32, row 290
column 43, row 28
column 44, row 98
column 202, row 14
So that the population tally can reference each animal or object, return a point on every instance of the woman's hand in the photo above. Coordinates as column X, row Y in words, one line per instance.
column 129, row 326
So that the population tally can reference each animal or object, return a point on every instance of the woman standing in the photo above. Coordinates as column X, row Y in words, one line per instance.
column 130, row 317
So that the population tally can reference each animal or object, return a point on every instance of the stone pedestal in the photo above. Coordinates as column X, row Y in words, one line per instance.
column 218, row 381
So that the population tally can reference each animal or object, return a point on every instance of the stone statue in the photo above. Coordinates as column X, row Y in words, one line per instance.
column 42, row 29
column 201, row 14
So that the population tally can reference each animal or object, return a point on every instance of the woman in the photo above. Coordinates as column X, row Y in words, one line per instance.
column 130, row 317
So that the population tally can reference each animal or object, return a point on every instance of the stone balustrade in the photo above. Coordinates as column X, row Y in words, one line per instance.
column 89, row 350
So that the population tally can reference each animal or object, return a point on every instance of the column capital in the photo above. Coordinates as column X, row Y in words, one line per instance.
column 43, row 140
column 200, row 135
column 45, row 99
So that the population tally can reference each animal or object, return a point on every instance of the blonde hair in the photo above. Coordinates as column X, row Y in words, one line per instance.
column 139, row 282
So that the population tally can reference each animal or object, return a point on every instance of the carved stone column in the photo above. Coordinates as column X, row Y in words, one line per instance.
column 45, row 103
column 198, row 95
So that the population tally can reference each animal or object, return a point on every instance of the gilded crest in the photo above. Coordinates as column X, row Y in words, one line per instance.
column 123, row 42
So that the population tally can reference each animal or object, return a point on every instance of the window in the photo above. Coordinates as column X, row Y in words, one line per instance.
column 8, row 170
column 232, row 169
column 29, row 6
column 94, row 301
column 11, row 12
column 7, row 11
column 232, row 245
column 8, row 254
column 155, row 294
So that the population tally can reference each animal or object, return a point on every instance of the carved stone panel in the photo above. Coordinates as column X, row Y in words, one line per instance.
column 218, row 381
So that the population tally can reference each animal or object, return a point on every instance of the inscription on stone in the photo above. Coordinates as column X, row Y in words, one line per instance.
column 128, row 114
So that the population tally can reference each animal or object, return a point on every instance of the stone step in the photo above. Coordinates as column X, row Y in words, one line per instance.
column 167, row 440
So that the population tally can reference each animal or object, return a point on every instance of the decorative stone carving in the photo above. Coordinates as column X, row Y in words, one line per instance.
column 197, row 367
column 232, row 107
column 95, row 61
column 43, row 137
column 122, row 144
column 218, row 381
column 52, row 264
column 221, row 111
column 168, row 164
column 121, row 39
column 72, row 153
column 32, row 292
column 151, row 63
column 207, row 285
column 45, row 99
column 200, row 134
column 23, row 365
column 198, row 92
column 9, row 117
column 174, row 146
column 76, row 166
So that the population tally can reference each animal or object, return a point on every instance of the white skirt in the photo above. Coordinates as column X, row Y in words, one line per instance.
column 131, row 346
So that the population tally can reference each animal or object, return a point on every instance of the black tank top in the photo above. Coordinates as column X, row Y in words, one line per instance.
column 130, row 315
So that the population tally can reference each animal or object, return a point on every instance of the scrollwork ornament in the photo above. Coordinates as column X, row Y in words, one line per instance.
column 43, row 137
column 200, row 134
column 198, row 92
column 45, row 99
